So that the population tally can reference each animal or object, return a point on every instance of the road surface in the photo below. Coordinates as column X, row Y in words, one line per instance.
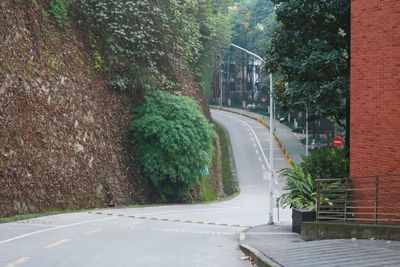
column 173, row 235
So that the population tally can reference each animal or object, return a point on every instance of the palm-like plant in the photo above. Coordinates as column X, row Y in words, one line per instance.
column 301, row 187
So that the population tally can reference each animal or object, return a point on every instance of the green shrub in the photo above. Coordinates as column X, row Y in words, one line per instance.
column 58, row 9
column 301, row 187
column 228, row 178
column 301, row 179
column 173, row 142
column 326, row 164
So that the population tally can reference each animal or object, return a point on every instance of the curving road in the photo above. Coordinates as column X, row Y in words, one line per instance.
column 173, row 235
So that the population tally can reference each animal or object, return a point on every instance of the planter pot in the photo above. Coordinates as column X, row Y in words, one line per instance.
column 300, row 216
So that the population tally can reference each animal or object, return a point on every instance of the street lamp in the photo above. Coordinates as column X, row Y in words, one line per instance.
column 271, row 133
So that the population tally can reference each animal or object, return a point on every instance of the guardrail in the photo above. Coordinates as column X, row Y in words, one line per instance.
column 368, row 199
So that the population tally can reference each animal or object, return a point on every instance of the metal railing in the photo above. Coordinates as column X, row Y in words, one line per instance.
column 368, row 199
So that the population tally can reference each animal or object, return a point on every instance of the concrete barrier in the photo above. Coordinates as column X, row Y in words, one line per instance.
column 328, row 230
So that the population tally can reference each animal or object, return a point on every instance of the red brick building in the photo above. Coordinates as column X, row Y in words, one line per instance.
column 375, row 97
column 375, row 87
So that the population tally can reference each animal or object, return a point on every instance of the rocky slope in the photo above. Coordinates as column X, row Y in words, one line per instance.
column 62, row 132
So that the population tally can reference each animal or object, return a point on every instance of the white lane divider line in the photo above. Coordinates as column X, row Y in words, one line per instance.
column 259, row 159
column 52, row 245
column 18, row 262
column 254, row 145
column 55, row 228
column 93, row 232
column 257, row 152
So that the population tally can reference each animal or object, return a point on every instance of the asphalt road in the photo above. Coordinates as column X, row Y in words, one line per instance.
column 174, row 235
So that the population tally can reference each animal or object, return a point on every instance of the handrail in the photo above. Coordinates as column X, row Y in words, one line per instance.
column 367, row 199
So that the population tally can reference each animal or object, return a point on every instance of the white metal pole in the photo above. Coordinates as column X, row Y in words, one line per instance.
column 271, row 152
column 307, row 138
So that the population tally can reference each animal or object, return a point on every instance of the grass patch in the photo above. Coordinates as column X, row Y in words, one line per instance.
column 229, row 178
column 207, row 190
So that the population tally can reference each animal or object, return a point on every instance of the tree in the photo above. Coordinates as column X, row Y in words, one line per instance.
column 311, row 49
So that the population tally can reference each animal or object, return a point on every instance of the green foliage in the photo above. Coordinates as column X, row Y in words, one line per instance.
column 311, row 49
column 59, row 10
column 173, row 141
column 252, row 24
column 207, row 190
column 301, row 179
column 149, row 43
column 326, row 164
column 302, row 189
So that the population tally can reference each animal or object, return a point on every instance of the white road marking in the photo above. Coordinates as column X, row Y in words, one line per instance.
column 254, row 145
column 257, row 152
column 252, row 138
column 54, row 228
column 263, row 167
column 259, row 159
column 93, row 232
column 197, row 232
column 269, row 233
column 52, row 245
column 242, row 236
column 18, row 262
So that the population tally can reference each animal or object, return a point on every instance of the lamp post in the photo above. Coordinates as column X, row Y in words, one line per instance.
column 271, row 133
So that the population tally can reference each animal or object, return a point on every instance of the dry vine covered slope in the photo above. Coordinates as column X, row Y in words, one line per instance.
column 62, row 131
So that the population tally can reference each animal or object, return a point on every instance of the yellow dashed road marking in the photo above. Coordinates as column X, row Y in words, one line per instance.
column 168, row 219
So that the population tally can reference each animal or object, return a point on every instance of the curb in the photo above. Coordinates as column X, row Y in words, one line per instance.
column 263, row 122
column 258, row 258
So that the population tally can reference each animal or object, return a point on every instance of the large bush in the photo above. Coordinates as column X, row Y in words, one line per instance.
column 173, row 141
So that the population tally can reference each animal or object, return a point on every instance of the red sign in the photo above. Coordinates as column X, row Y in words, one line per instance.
column 337, row 141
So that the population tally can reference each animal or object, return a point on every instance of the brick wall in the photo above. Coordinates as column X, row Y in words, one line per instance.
column 375, row 87
column 375, row 103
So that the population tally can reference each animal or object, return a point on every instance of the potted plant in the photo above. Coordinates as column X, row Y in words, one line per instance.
column 301, row 196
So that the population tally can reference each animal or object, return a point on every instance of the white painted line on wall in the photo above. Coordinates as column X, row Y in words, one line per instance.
column 54, row 228
column 52, row 245
column 18, row 262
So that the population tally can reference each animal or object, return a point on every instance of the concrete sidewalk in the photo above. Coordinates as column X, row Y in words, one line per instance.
column 276, row 245
column 285, row 135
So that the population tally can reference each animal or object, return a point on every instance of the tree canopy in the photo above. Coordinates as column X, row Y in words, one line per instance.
column 311, row 49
